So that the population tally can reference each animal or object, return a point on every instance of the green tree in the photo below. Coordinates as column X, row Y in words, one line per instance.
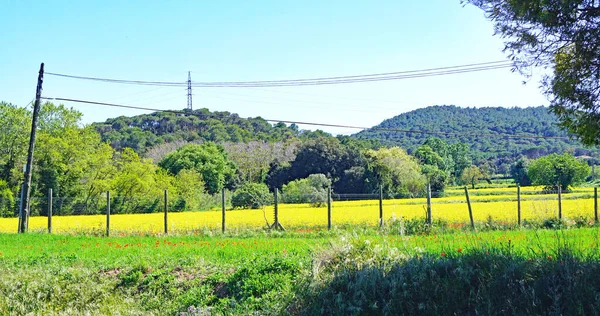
column 208, row 159
column 395, row 171
column 554, row 169
column 312, row 189
column 252, row 195
column 564, row 35
column 470, row 175
column 519, row 171
column 14, row 140
column 190, row 190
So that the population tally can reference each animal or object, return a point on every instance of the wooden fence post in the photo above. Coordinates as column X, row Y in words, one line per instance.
column 559, row 203
column 50, row 211
column 519, row 205
column 329, row 208
column 276, row 223
column 429, row 219
column 380, row 206
column 596, row 205
column 166, row 211
column 223, row 210
column 470, row 210
column 107, row 213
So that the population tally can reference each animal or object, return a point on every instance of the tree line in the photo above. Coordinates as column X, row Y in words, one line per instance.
column 80, row 166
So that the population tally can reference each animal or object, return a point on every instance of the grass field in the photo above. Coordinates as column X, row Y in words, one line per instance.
column 362, row 271
column 498, row 204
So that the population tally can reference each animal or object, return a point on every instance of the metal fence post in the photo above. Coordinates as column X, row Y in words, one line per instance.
column 519, row 205
column 559, row 202
column 329, row 208
column 470, row 210
column 380, row 206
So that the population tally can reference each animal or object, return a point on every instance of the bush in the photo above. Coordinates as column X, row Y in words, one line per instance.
column 311, row 190
column 252, row 195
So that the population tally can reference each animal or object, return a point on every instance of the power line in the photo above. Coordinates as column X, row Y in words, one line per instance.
column 313, row 81
column 191, row 113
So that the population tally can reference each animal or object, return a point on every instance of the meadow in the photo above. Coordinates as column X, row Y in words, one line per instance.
column 493, row 204
column 350, row 272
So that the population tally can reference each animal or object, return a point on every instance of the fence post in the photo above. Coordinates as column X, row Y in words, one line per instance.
column 470, row 210
column 223, row 210
column 50, row 211
column 429, row 219
column 166, row 211
column 328, row 208
column 380, row 206
column 276, row 223
column 596, row 205
column 20, row 210
column 519, row 205
column 107, row 213
column 559, row 203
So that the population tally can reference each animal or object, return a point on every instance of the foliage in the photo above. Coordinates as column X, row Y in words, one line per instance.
column 252, row 195
column 471, row 175
column 208, row 159
column 14, row 137
column 395, row 171
column 325, row 155
column 563, row 35
column 7, row 200
column 555, row 169
column 519, row 171
column 145, row 131
column 254, row 158
column 189, row 187
column 312, row 189
column 476, row 124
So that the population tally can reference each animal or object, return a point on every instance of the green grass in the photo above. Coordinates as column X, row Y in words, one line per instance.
column 337, row 272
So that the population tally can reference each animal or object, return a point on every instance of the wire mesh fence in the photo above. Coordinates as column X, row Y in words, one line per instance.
column 146, row 214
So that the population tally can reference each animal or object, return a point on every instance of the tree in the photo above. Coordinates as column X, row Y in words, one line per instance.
column 14, row 139
column 554, row 169
column 208, row 159
column 563, row 35
column 395, row 171
column 252, row 195
column 312, row 189
column 519, row 171
column 470, row 175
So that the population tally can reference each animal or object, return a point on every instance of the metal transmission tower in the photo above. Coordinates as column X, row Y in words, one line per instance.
column 189, row 95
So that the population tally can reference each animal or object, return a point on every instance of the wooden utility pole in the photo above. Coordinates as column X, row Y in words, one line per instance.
column 29, row 165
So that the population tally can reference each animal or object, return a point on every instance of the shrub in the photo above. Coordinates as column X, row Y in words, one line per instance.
column 311, row 190
column 252, row 195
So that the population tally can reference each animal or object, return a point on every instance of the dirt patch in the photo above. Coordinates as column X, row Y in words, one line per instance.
column 110, row 272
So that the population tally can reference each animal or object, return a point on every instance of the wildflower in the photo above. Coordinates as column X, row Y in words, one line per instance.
column 459, row 250
column 549, row 257
column 443, row 254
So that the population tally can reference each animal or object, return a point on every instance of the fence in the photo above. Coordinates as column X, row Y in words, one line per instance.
column 164, row 214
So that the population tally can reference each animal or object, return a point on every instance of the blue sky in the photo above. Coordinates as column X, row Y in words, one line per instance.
column 256, row 40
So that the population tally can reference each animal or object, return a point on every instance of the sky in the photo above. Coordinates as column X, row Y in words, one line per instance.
column 256, row 40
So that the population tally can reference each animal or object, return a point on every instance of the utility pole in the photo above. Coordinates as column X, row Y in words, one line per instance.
column 189, row 95
column 29, row 165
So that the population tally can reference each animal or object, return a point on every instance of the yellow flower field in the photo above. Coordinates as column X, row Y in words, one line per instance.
column 453, row 209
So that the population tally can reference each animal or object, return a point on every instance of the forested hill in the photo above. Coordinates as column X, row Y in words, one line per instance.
column 144, row 131
column 453, row 119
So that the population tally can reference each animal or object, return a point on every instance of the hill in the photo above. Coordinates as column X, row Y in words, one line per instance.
column 141, row 132
column 474, row 121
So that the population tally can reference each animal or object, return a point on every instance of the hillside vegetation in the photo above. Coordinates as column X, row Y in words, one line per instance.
column 477, row 121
